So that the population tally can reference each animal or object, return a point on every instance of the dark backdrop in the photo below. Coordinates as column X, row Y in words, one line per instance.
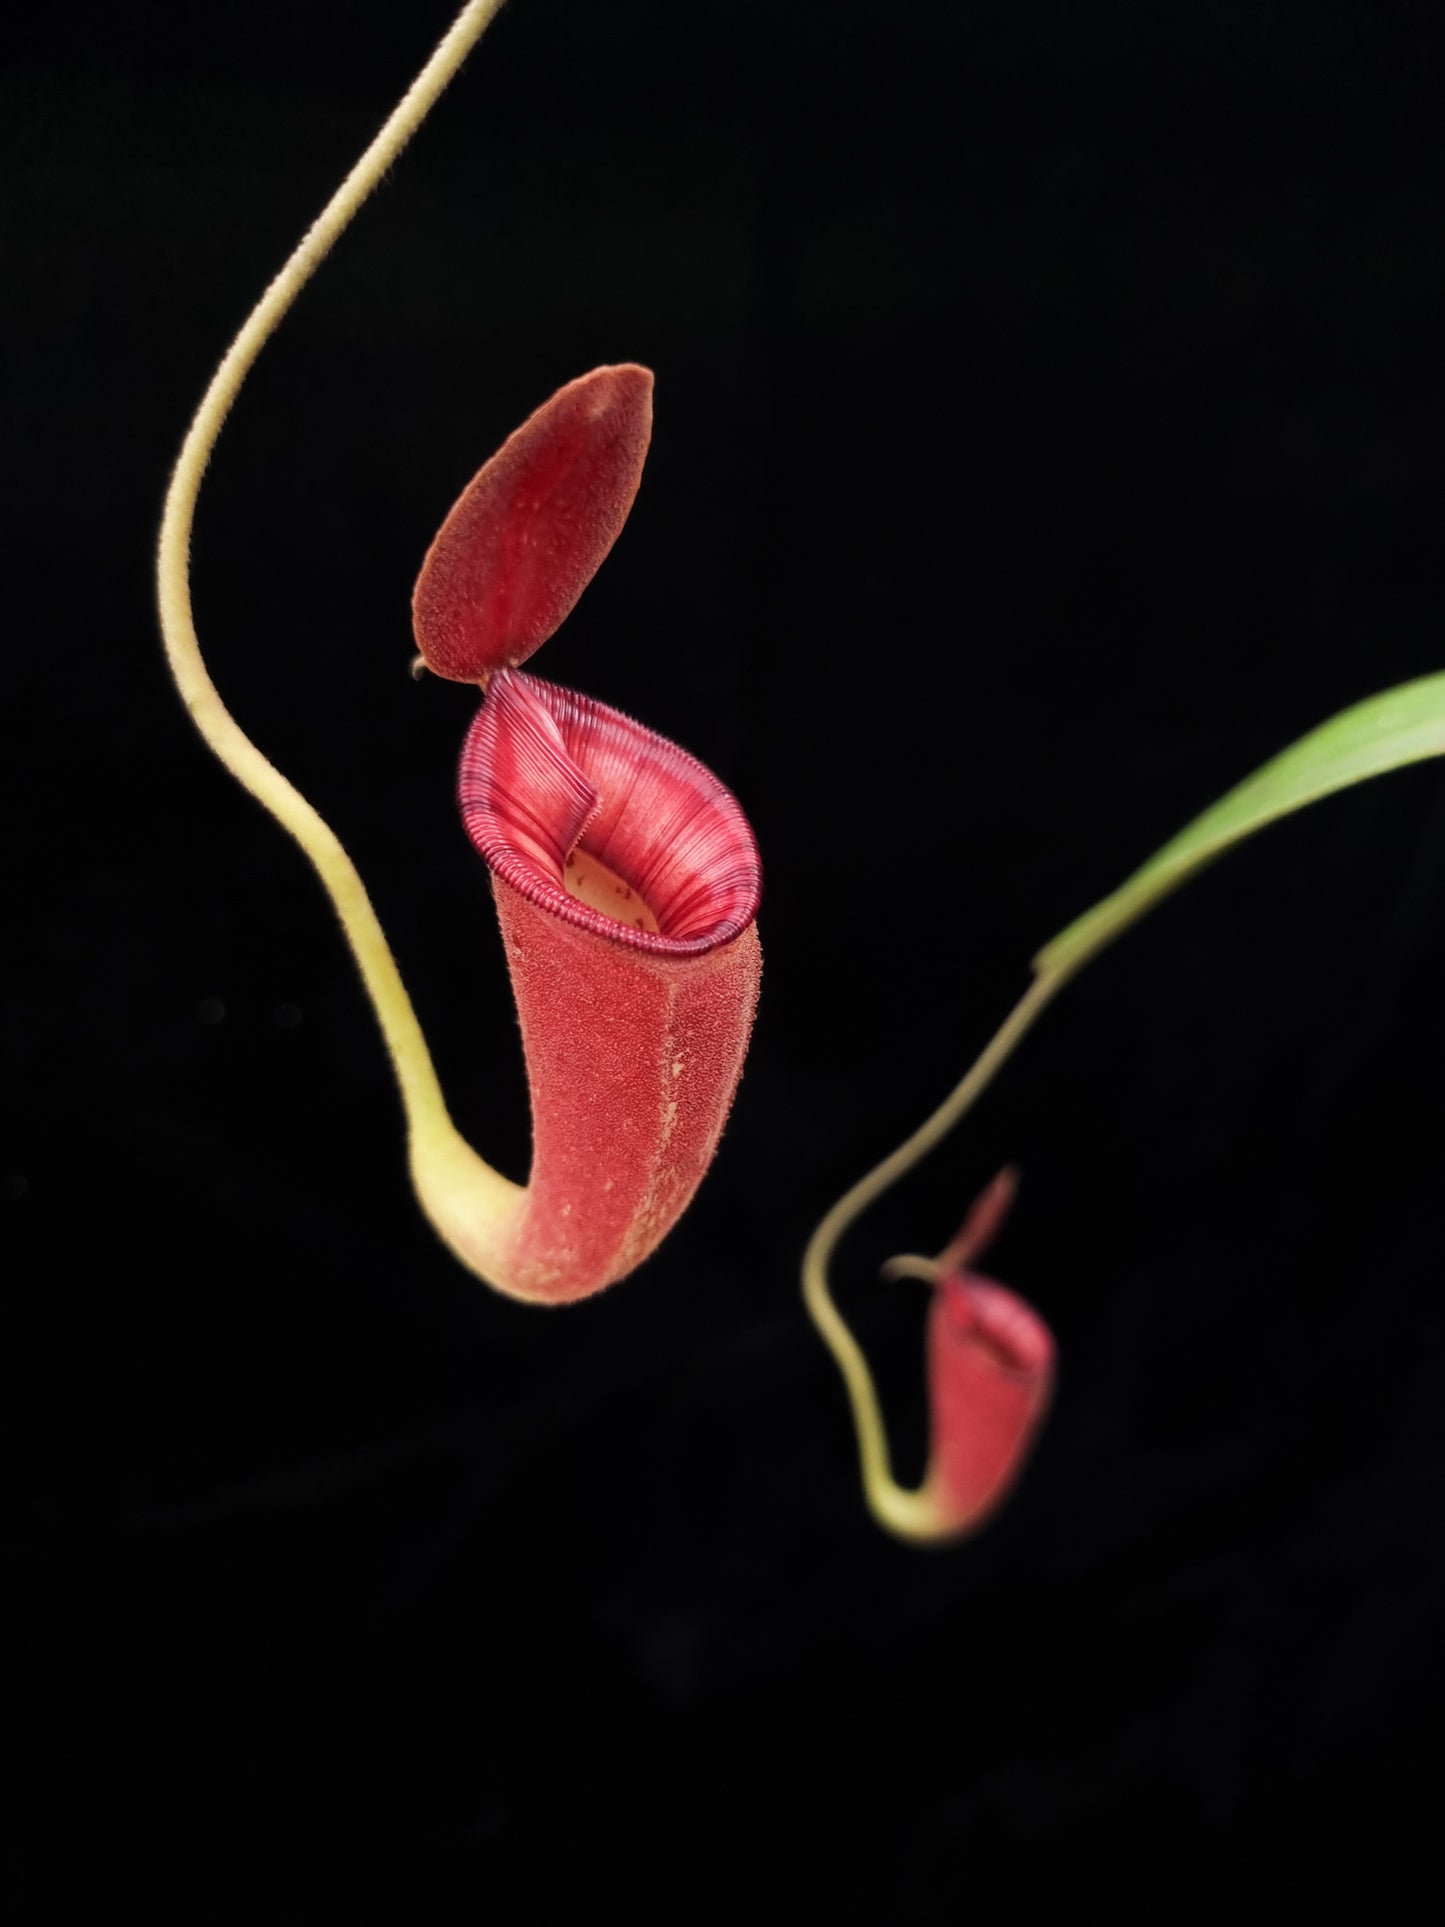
column 1049, row 427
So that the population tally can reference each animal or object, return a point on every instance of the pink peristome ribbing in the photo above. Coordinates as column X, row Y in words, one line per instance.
column 634, row 1039
column 992, row 1363
column 533, row 525
column 545, row 770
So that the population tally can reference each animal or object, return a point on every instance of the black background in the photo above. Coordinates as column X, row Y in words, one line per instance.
column 1050, row 416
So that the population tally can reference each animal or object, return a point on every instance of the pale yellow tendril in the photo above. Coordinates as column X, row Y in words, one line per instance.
column 468, row 1202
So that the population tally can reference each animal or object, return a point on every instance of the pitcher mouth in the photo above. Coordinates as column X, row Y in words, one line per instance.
column 999, row 1325
column 577, row 807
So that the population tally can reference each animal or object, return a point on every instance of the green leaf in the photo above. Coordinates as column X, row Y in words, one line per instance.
column 1399, row 726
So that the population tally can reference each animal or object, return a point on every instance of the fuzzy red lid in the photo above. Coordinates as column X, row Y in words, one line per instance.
column 531, row 528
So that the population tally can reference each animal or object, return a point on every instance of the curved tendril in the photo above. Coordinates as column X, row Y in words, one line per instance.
column 909, row 1513
column 441, row 1159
